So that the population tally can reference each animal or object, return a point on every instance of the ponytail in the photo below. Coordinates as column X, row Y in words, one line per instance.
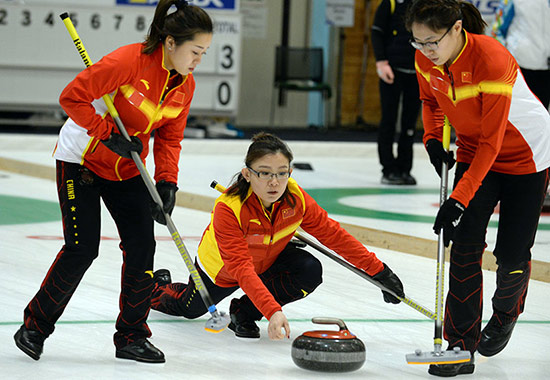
column 471, row 18
column 182, row 25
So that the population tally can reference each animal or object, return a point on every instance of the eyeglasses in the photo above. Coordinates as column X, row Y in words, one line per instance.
column 432, row 45
column 268, row 175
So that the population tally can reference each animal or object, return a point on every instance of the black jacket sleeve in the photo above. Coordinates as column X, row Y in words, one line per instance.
column 380, row 28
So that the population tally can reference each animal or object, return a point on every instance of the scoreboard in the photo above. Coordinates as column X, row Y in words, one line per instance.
column 38, row 59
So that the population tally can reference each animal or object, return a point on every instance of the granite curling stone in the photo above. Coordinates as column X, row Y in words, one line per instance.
column 328, row 351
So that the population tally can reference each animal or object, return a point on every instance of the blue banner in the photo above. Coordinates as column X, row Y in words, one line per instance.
column 222, row 5
column 137, row 2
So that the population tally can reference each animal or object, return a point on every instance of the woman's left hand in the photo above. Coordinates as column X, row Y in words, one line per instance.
column 278, row 322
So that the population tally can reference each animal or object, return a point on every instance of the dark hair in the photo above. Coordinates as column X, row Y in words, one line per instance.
column 442, row 14
column 262, row 144
column 182, row 25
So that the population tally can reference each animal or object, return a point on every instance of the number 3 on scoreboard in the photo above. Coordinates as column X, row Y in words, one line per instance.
column 226, row 59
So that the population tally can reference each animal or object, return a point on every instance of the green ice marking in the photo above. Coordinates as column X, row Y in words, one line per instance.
column 329, row 199
column 21, row 210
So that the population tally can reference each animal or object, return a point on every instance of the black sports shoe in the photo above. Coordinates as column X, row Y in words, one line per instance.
column 162, row 277
column 141, row 350
column 408, row 179
column 494, row 337
column 244, row 329
column 392, row 179
column 29, row 341
column 450, row 370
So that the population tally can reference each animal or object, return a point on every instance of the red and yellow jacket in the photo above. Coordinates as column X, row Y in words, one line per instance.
column 500, row 125
column 147, row 100
column 243, row 240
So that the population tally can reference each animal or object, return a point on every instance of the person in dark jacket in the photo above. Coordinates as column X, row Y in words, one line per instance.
column 398, row 84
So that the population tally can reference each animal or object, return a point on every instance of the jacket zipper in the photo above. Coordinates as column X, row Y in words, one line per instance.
column 451, row 78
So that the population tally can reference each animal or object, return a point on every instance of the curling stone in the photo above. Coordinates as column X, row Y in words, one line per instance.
column 328, row 351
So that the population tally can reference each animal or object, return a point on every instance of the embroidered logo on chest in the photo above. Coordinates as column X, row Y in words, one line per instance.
column 145, row 83
column 179, row 97
column 288, row 213
column 466, row 77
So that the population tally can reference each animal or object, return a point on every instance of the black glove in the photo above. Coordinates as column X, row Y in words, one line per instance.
column 118, row 144
column 438, row 155
column 167, row 192
column 448, row 218
column 390, row 280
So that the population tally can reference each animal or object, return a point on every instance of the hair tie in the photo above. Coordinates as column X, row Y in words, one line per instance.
column 180, row 4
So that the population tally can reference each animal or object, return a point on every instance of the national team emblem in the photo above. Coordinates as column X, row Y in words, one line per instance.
column 145, row 83
column 288, row 212
column 179, row 97
column 466, row 77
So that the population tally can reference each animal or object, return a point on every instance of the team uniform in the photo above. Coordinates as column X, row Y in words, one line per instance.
column 149, row 98
column 247, row 246
column 503, row 155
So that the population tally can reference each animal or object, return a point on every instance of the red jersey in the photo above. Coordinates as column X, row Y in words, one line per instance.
column 244, row 239
column 500, row 125
column 147, row 99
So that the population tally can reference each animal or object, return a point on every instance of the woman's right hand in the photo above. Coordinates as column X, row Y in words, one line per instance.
column 278, row 322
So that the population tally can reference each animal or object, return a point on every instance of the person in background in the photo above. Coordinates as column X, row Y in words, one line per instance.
column 503, row 153
column 525, row 31
column 248, row 245
column 153, row 85
column 398, row 85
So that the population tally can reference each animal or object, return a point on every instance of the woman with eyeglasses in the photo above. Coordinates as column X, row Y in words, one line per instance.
column 248, row 245
column 503, row 154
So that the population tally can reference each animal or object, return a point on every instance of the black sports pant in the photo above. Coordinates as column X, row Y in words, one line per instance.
column 406, row 85
column 128, row 201
column 292, row 276
column 521, row 198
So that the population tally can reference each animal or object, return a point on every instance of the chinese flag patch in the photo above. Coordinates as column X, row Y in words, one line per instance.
column 466, row 77
column 288, row 212
column 179, row 97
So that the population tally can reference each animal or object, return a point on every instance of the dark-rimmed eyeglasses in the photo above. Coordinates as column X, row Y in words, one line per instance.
column 432, row 45
column 268, row 175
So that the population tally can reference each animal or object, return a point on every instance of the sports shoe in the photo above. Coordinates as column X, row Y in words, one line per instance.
column 29, row 341
column 244, row 328
column 408, row 179
column 391, row 179
column 450, row 370
column 162, row 277
column 141, row 350
column 495, row 336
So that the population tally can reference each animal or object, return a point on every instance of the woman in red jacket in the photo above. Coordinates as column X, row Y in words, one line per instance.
column 153, row 86
column 248, row 245
column 503, row 140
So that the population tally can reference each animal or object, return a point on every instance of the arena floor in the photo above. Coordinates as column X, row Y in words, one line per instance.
column 394, row 222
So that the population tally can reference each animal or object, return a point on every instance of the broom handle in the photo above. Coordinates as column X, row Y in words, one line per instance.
column 438, row 332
